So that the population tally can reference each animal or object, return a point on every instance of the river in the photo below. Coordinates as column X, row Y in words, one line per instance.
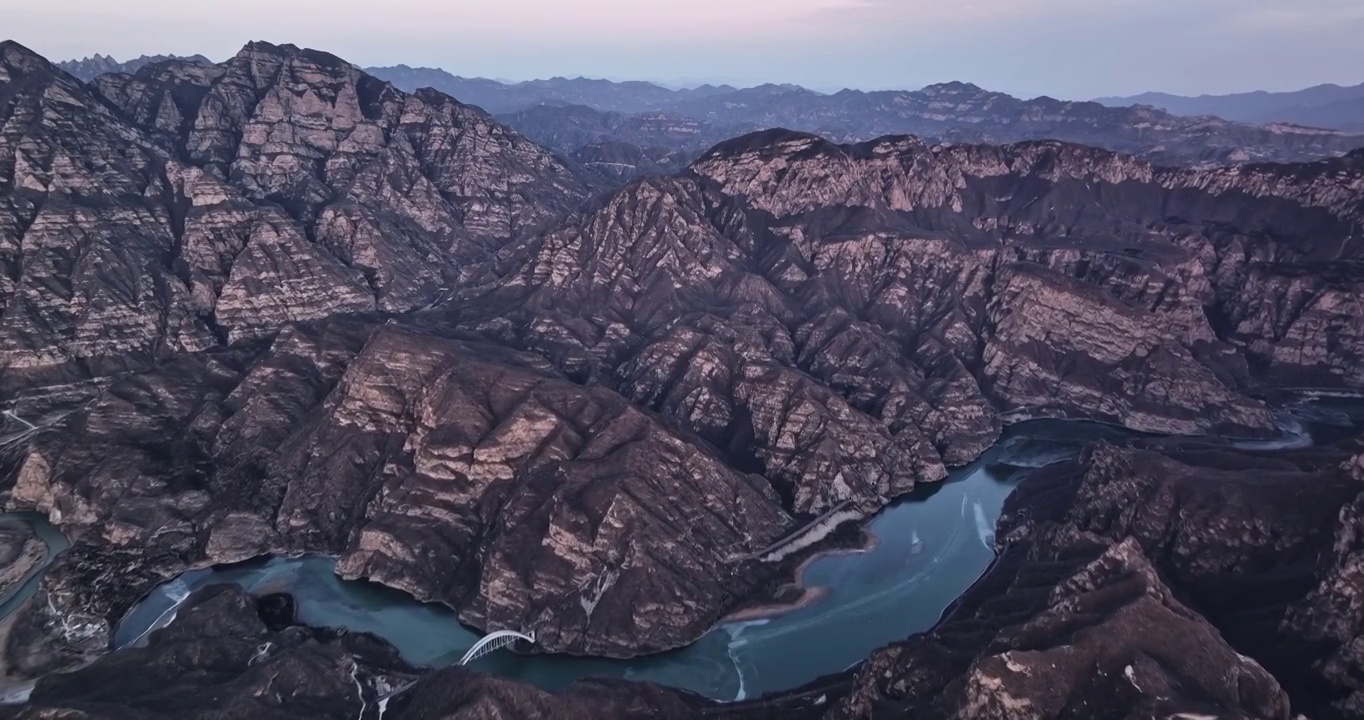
column 927, row 549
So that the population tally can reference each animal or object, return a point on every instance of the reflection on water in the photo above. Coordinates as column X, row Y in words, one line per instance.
column 929, row 548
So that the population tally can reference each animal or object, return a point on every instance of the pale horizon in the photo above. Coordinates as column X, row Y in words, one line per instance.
column 1066, row 49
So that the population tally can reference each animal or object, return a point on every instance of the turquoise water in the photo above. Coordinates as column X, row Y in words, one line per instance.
column 56, row 543
column 929, row 548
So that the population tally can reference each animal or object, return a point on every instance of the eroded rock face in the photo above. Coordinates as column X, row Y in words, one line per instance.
column 328, row 322
column 21, row 551
column 460, row 472
column 1089, row 613
column 1108, row 640
column 1079, row 616
column 221, row 658
column 231, row 655
column 190, row 204
column 89, row 68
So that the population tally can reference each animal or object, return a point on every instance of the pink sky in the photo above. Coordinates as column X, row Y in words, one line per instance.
column 1066, row 48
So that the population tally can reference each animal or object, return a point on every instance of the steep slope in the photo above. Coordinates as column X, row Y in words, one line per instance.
column 170, row 210
column 1155, row 579
column 1079, row 617
column 590, row 427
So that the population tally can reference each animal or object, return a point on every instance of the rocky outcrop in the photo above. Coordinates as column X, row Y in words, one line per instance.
column 962, row 112
column 1329, row 617
column 299, row 311
column 1067, row 636
column 461, row 472
column 1148, row 582
column 952, row 113
column 229, row 654
column 21, row 552
column 187, row 205
column 1108, row 600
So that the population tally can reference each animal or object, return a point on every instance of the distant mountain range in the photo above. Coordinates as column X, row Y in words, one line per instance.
column 629, row 129
column 89, row 68
column 499, row 97
column 664, row 128
column 277, row 310
column 1324, row 106
column 952, row 112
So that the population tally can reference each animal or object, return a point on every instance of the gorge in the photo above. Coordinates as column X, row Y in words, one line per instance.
column 276, row 307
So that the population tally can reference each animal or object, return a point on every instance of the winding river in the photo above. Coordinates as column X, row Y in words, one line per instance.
column 927, row 549
column 56, row 542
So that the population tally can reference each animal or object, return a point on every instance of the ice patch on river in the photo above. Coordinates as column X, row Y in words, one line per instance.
column 736, row 644
column 984, row 528
column 1293, row 435
column 18, row 694
column 813, row 534
column 178, row 591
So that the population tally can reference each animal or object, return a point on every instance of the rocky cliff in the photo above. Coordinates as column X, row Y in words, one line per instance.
column 278, row 306
column 1079, row 617
column 1147, row 580
column 188, row 205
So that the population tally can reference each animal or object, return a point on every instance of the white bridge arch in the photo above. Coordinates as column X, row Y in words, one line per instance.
column 493, row 642
column 490, row 643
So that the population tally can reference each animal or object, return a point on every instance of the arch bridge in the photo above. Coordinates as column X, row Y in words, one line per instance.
column 494, row 641
column 490, row 643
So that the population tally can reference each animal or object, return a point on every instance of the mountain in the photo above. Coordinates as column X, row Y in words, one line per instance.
column 621, row 147
column 223, row 211
column 279, row 307
column 89, row 68
column 665, row 128
column 497, row 97
column 1325, row 106
column 953, row 112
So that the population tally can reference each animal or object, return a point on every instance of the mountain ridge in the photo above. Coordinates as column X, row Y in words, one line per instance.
column 89, row 68
column 277, row 306
column 1327, row 105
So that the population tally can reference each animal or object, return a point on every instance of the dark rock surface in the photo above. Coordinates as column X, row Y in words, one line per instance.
column 1145, row 583
column 1110, row 599
column 219, row 659
column 171, row 210
column 277, row 306
column 21, row 551
column 225, row 657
